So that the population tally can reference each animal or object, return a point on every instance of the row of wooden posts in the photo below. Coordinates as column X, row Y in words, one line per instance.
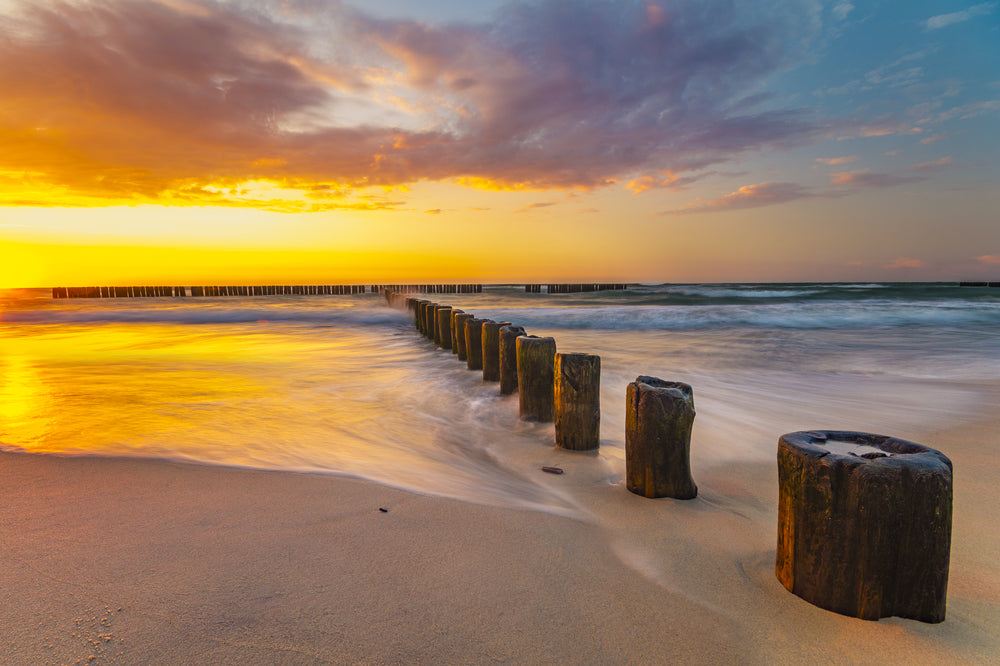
column 259, row 290
column 564, row 388
column 574, row 288
column 864, row 535
column 310, row 290
column 979, row 284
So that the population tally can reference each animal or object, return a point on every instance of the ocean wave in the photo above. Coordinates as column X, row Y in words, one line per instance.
column 828, row 315
column 742, row 292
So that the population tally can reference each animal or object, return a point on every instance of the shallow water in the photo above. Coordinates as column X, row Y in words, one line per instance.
column 344, row 384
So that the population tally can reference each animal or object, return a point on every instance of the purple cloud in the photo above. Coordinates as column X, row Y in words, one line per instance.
column 127, row 98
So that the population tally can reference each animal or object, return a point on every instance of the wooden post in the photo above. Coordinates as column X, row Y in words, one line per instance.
column 864, row 524
column 443, row 331
column 428, row 321
column 454, row 334
column 420, row 314
column 578, row 401
column 474, row 343
column 658, row 419
column 461, row 320
column 508, row 358
column 491, row 349
column 432, row 327
column 535, row 368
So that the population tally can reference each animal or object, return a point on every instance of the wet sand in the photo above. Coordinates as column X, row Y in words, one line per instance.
column 150, row 562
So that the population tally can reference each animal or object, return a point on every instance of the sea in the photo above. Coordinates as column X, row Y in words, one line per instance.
column 345, row 385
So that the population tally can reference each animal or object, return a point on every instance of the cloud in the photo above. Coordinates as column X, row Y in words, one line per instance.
column 535, row 206
column 667, row 180
column 836, row 160
column 748, row 196
column 966, row 111
column 934, row 165
column 905, row 262
column 944, row 20
column 841, row 10
column 989, row 259
column 131, row 100
column 433, row 211
column 933, row 138
column 871, row 180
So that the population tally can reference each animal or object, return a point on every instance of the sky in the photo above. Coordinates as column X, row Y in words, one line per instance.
column 189, row 142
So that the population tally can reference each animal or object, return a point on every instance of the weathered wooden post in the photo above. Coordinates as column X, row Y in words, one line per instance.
column 443, row 331
column 474, row 343
column 658, row 419
column 578, row 401
column 454, row 333
column 508, row 358
column 864, row 524
column 432, row 327
column 491, row 349
column 535, row 368
column 461, row 320
column 422, row 315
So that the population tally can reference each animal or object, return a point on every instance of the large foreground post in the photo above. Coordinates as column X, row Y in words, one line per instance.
column 864, row 524
column 508, row 358
column 535, row 370
column 578, row 401
column 658, row 419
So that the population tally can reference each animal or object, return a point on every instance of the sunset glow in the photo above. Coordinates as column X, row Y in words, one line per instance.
column 280, row 142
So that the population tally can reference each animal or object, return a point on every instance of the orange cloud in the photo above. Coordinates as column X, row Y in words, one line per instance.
column 535, row 206
column 748, row 196
column 905, row 262
column 873, row 180
column 836, row 160
column 668, row 180
column 989, row 259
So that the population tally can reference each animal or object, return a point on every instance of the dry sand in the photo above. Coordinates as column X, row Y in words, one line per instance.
column 151, row 562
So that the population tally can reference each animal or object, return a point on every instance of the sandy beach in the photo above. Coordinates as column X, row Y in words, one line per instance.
column 112, row 560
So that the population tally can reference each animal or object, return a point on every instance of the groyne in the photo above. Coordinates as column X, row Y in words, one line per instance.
column 260, row 290
column 147, row 291
column 575, row 288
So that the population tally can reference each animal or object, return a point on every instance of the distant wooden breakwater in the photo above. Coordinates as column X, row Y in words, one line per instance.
column 864, row 521
column 574, row 288
column 979, row 284
column 311, row 290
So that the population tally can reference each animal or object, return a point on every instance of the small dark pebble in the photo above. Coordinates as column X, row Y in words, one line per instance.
column 383, row 510
column 552, row 470
column 816, row 436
